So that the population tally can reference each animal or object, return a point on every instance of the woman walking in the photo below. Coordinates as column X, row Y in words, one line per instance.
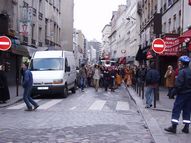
column 170, row 81
column 96, row 77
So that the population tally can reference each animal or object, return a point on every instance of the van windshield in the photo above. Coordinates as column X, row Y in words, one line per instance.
column 47, row 64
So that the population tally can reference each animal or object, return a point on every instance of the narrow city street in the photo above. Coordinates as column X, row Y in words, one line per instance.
column 84, row 117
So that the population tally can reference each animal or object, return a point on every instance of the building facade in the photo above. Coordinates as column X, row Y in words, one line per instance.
column 106, row 50
column 124, row 37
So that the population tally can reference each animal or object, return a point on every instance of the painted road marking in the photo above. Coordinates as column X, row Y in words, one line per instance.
column 97, row 105
column 49, row 104
column 122, row 106
column 20, row 106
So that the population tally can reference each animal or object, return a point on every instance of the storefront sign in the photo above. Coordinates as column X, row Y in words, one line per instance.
column 172, row 46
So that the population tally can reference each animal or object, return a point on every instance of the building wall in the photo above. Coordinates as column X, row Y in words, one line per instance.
column 125, row 27
column 67, row 8
column 105, row 40
column 171, row 18
column 186, row 15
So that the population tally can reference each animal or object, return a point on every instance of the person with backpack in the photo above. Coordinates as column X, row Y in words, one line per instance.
column 152, row 81
column 183, row 98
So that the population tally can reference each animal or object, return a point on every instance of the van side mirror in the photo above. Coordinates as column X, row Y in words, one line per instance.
column 67, row 69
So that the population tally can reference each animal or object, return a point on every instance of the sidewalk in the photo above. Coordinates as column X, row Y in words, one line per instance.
column 160, row 117
column 13, row 96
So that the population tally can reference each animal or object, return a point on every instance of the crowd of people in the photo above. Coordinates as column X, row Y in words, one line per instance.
column 110, row 77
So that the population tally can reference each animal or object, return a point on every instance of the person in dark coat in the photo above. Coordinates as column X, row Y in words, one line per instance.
column 183, row 98
column 4, row 90
column 152, row 82
column 27, row 85
column 106, row 78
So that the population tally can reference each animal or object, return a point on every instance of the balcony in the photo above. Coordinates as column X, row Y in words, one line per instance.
column 40, row 16
column 34, row 12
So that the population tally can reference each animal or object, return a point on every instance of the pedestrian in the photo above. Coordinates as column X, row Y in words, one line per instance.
column 170, row 81
column 106, row 78
column 82, row 74
column 152, row 81
column 183, row 98
column 96, row 77
column 27, row 85
column 4, row 90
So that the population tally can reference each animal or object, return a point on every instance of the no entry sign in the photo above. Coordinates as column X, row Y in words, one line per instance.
column 5, row 43
column 158, row 45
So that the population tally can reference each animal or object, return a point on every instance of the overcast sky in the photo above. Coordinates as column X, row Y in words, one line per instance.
column 91, row 16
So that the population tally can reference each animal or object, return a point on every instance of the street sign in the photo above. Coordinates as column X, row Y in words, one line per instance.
column 158, row 46
column 5, row 43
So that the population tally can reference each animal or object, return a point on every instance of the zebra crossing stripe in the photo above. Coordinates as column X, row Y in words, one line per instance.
column 97, row 105
column 50, row 104
column 20, row 106
column 122, row 106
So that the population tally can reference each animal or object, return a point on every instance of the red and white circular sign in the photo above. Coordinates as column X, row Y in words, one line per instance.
column 158, row 45
column 5, row 43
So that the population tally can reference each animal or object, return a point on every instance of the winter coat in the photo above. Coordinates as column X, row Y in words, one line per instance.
column 152, row 77
column 183, row 81
column 170, row 78
column 27, row 79
column 4, row 90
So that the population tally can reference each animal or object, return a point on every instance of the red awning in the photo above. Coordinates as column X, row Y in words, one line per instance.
column 186, row 34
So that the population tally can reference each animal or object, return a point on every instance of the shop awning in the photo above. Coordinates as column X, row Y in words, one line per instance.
column 186, row 34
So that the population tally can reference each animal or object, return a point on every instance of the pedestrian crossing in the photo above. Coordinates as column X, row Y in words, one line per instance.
column 97, row 105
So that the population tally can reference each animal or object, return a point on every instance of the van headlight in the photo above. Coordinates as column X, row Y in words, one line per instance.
column 58, row 81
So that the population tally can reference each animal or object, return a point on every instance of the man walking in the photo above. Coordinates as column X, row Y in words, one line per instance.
column 152, row 81
column 183, row 98
column 27, row 85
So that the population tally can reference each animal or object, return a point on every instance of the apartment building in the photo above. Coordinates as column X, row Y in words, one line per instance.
column 105, row 52
column 125, row 26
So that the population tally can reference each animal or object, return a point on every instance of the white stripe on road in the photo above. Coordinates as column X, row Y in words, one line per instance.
column 97, row 105
column 122, row 106
column 49, row 104
column 4, row 43
column 158, row 46
column 20, row 106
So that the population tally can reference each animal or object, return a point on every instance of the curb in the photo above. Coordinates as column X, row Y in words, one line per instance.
column 15, row 100
column 155, row 130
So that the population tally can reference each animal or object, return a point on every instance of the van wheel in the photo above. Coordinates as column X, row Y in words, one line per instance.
column 74, row 89
column 65, row 94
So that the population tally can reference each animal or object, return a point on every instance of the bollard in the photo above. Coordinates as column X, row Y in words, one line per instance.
column 143, row 90
column 155, row 97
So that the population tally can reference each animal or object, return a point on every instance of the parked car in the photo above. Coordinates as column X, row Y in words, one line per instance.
column 54, row 72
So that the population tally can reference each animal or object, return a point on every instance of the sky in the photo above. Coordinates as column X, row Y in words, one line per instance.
column 90, row 16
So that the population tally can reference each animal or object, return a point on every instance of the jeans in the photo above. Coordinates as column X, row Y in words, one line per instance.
column 82, row 83
column 149, row 96
column 28, row 99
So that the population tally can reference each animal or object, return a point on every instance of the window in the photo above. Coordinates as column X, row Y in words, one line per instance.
column 164, row 28
column 174, row 22
column 169, row 25
column 43, row 64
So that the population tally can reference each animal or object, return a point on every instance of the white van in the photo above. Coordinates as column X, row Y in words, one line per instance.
column 54, row 72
